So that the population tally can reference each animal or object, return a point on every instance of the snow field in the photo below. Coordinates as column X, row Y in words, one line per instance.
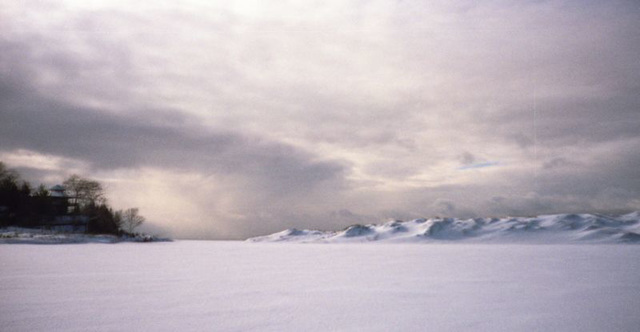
column 240, row 286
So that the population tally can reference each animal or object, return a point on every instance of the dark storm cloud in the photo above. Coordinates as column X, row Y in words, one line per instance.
column 108, row 141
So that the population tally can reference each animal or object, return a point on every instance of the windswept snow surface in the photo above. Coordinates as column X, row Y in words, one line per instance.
column 559, row 228
column 239, row 286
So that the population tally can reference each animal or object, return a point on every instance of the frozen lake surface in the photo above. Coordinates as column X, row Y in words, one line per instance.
column 240, row 286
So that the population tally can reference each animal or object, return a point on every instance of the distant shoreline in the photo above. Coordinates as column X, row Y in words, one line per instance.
column 20, row 235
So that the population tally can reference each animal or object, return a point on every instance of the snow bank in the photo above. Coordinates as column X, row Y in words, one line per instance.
column 41, row 236
column 559, row 228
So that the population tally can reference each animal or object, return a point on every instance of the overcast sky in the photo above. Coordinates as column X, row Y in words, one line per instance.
column 229, row 119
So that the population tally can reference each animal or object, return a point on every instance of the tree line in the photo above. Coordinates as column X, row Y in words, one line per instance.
column 23, row 205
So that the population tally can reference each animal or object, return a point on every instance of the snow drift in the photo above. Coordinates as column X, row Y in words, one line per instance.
column 559, row 228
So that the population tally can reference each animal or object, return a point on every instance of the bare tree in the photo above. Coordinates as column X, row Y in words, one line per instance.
column 8, row 178
column 130, row 219
column 84, row 192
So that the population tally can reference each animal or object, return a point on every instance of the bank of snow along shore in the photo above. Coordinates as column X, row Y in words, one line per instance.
column 42, row 236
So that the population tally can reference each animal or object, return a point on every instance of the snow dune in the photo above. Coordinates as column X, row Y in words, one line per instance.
column 560, row 228
column 239, row 286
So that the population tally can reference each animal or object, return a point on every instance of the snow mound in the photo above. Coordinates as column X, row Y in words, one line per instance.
column 40, row 236
column 557, row 228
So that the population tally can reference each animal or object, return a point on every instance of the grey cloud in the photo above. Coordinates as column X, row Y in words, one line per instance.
column 467, row 158
column 605, row 182
column 346, row 216
column 556, row 163
column 548, row 91
column 565, row 123
column 256, row 174
column 615, row 168
column 522, row 140
column 108, row 141
column 445, row 207
column 591, row 121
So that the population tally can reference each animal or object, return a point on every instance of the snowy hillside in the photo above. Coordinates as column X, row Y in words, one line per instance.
column 560, row 228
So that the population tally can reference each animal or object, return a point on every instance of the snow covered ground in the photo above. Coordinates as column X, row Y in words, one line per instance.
column 241, row 286
column 41, row 236
column 558, row 228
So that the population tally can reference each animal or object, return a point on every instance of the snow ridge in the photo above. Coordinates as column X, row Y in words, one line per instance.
column 557, row 228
